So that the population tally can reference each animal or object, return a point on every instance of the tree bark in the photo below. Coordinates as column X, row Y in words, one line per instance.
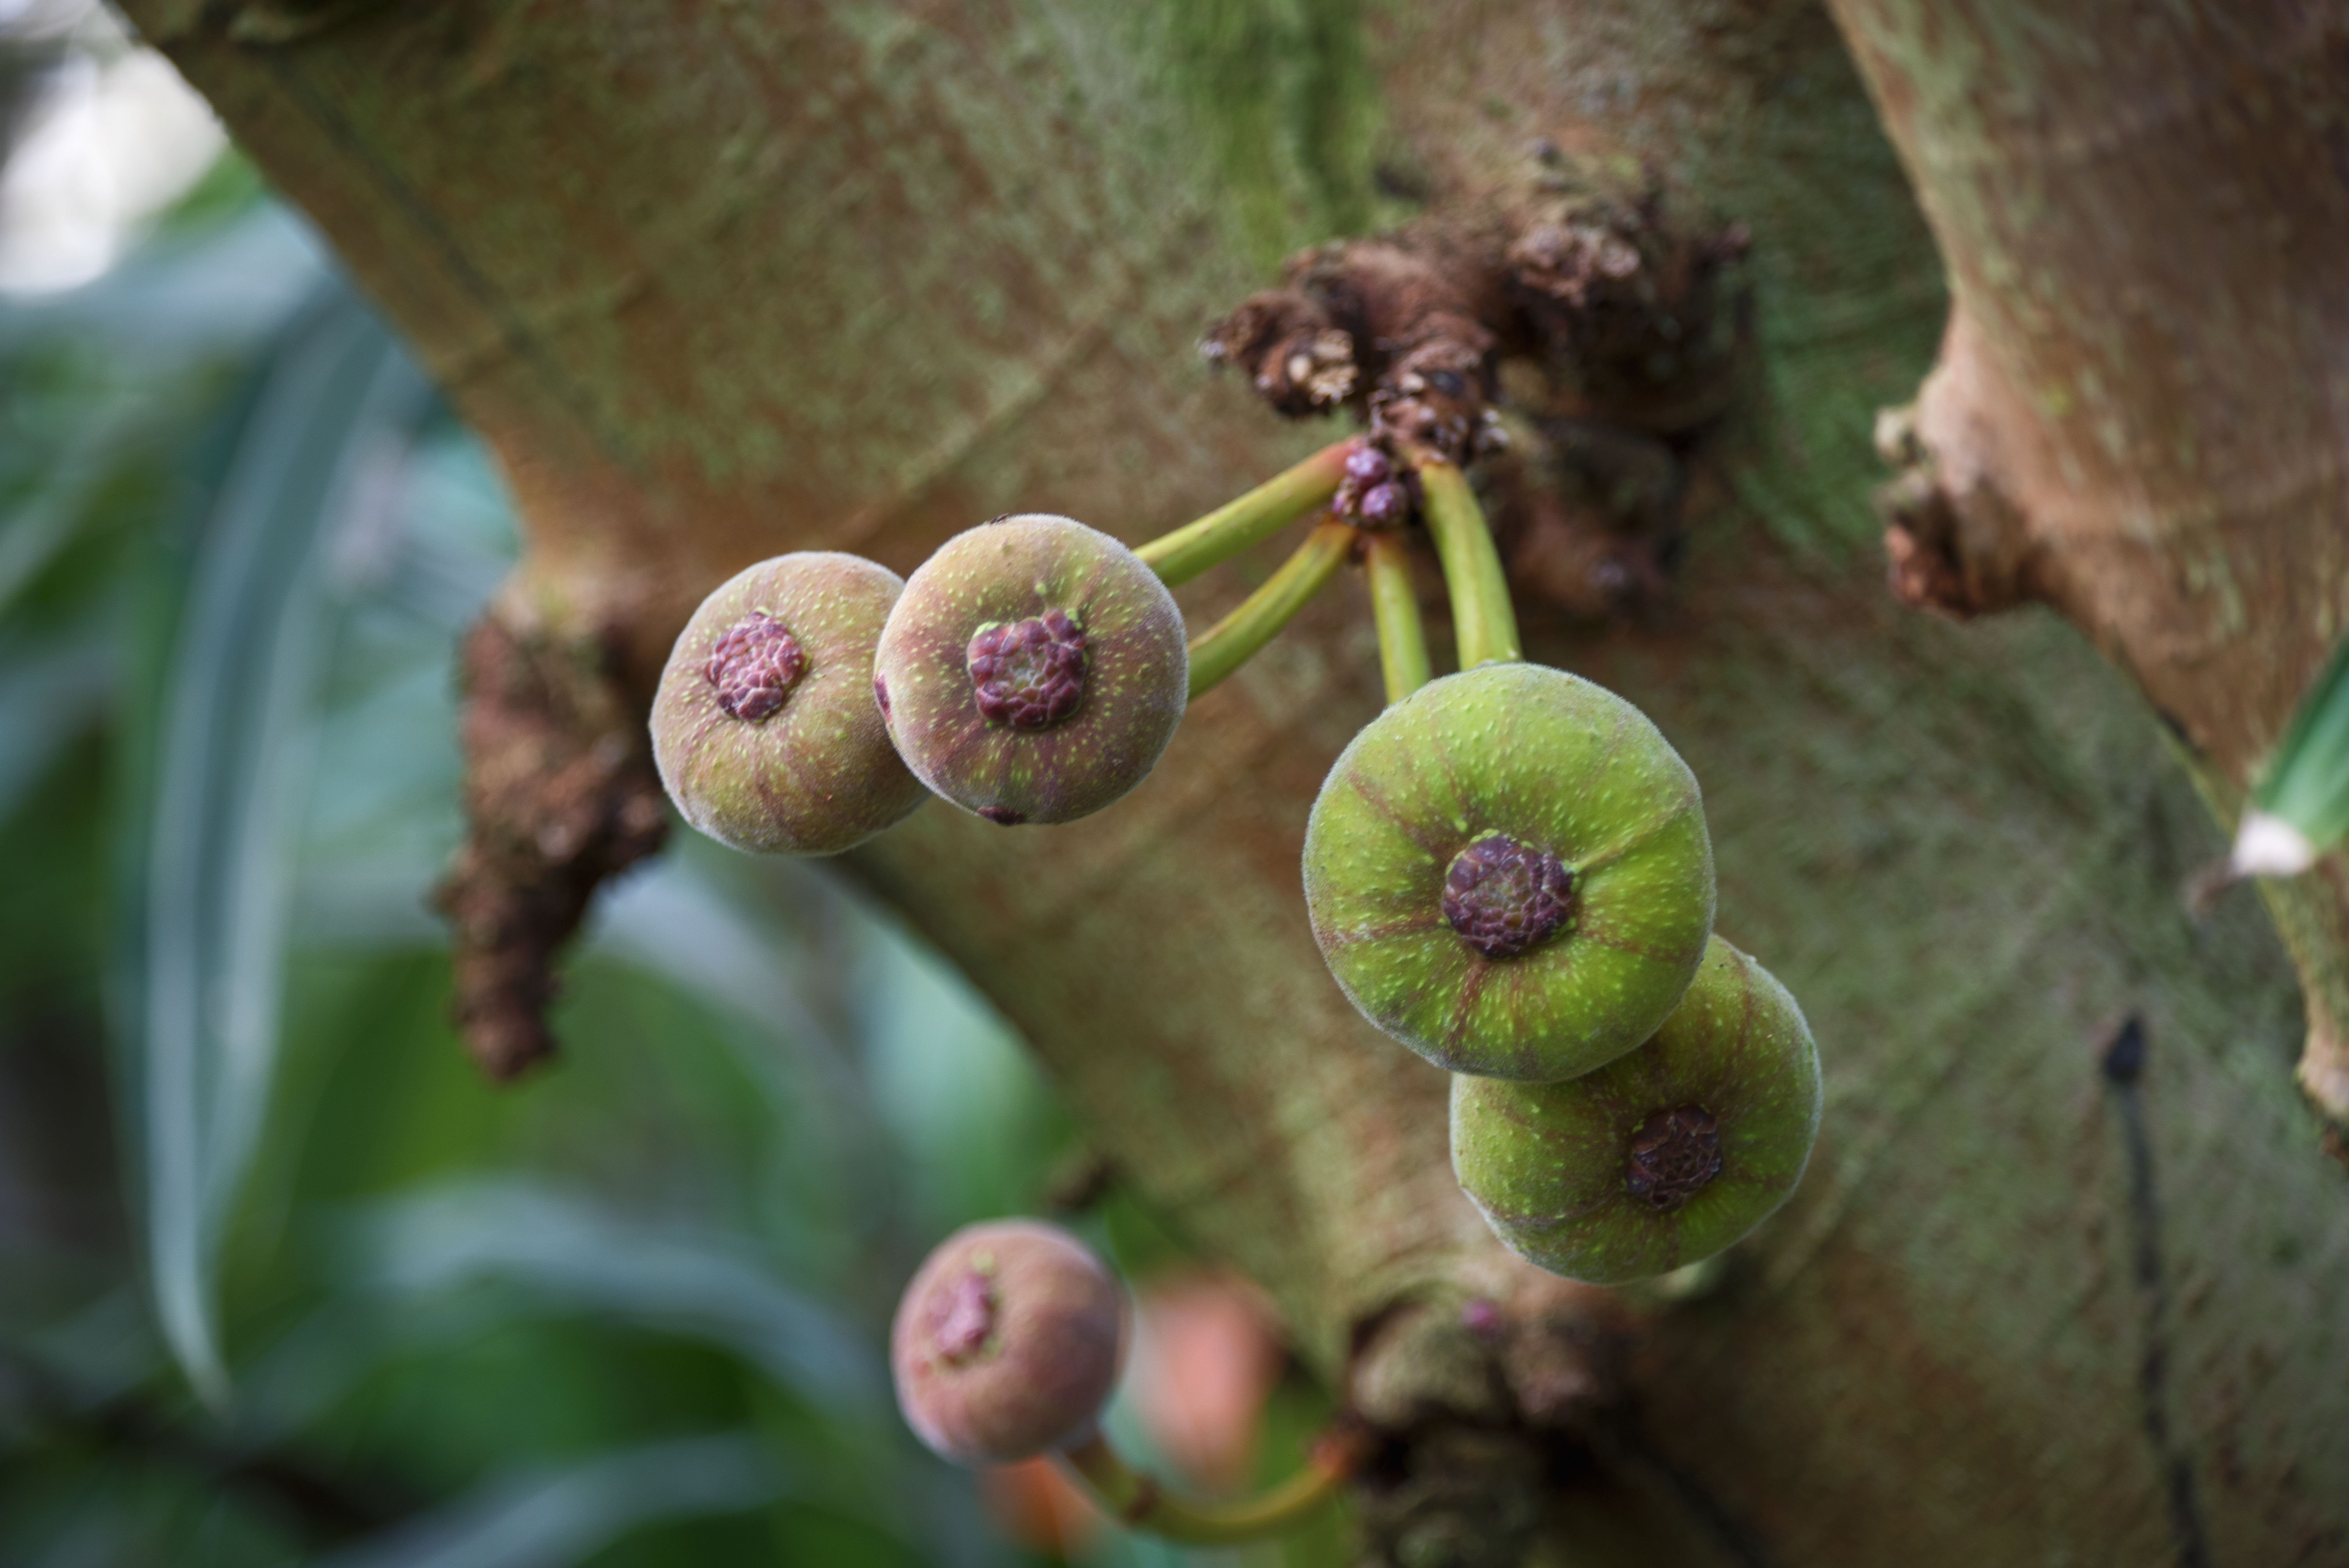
column 718, row 282
column 2140, row 412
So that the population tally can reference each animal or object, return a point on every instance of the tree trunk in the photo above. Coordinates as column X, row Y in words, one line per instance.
column 718, row 282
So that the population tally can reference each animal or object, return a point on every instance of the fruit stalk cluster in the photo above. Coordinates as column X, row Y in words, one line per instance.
column 1508, row 871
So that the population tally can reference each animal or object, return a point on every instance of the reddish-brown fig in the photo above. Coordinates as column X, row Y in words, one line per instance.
column 1034, row 670
column 1008, row 1343
column 764, row 729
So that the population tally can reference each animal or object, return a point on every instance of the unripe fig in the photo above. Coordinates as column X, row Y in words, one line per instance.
column 1008, row 1343
column 763, row 727
column 1034, row 670
column 1662, row 1156
column 1508, row 871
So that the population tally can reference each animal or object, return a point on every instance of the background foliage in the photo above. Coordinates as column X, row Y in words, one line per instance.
column 284, row 1280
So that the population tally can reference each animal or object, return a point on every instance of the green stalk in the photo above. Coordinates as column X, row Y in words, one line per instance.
column 1179, row 556
column 1484, row 623
column 1234, row 640
column 1136, row 1499
column 1394, row 605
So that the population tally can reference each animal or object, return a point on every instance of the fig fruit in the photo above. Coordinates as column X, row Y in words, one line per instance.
column 763, row 726
column 1008, row 1343
column 1662, row 1156
column 1508, row 871
column 1033, row 671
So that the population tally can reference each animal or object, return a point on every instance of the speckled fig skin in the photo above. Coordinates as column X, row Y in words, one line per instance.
column 817, row 774
column 1564, row 767
column 1031, row 1369
column 1550, row 1164
column 1137, row 670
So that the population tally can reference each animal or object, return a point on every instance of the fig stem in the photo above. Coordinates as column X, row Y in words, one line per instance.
column 1252, row 519
column 1137, row 1500
column 1394, row 605
column 1234, row 640
column 1484, row 623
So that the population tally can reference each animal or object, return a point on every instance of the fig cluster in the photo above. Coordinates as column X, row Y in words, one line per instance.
column 1509, row 871
column 1032, row 670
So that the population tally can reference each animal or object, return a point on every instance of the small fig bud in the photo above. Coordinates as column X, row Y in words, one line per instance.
column 1034, row 670
column 763, row 727
column 1508, row 871
column 1662, row 1156
column 1367, row 464
column 1008, row 1343
column 1385, row 505
column 1372, row 494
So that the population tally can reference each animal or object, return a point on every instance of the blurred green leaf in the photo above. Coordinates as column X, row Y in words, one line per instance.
column 571, row 1253
column 489, row 1317
column 51, row 691
column 236, row 719
column 544, row 1516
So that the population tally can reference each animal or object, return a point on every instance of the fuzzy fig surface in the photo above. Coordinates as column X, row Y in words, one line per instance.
column 1034, row 670
column 1008, row 1343
column 763, row 726
column 1661, row 1158
column 1510, row 872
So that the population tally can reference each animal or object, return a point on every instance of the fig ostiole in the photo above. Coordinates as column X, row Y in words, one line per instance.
column 1508, row 871
column 1033, row 671
column 763, row 726
column 1664, row 1157
column 1008, row 1343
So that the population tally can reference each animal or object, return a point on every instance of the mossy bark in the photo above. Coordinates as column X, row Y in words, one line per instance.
column 2137, row 412
column 718, row 281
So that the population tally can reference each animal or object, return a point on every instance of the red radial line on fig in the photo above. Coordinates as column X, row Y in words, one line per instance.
column 1384, row 930
column 1597, row 937
column 1429, row 839
column 1463, row 1005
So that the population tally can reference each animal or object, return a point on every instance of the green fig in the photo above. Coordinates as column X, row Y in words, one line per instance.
column 763, row 726
column 1034, row 670
column 1662, row 1156
column 1508, row 871
column 1008, row 1343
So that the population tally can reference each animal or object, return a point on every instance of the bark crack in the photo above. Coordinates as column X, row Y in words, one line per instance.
column 2123, row 1063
